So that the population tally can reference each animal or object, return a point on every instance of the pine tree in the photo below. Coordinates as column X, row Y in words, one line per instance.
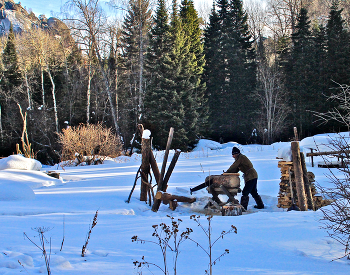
column 12, row 75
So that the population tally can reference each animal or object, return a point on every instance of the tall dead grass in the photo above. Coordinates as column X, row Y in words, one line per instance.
column 89, row 143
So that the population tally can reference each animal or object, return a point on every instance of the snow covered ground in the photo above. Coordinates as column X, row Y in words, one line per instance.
column 269, row 241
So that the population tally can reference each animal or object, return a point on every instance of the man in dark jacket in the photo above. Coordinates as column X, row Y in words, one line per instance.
column 243, row 164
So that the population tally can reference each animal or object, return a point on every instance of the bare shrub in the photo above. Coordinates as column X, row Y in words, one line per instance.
column 336, row 216
column 169, row 238
column 89, row 143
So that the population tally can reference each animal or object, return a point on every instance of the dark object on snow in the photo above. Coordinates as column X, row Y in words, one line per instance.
column 259, row 203
column 235, row 150
column 245, row 201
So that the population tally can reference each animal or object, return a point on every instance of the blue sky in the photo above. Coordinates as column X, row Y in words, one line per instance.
column 52, row 7
column 42, row 6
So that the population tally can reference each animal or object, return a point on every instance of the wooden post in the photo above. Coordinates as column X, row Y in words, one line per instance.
column 310, row 200
column 296, row 134
column 298, row 173
column 312, row 157
column 145, row 167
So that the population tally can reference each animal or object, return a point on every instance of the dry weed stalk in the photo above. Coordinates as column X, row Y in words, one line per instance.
column 43, row 240
column 26, row 145
column 167, row 237
column 94, row 222
column 89, row 143
column 211, row 242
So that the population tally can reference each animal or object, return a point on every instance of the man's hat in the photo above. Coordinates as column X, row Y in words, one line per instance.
column 235, row 150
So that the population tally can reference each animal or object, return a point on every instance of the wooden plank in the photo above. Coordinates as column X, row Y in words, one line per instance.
column 328, row 153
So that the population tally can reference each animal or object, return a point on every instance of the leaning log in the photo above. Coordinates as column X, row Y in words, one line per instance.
column 169, row 197
column 299, row 179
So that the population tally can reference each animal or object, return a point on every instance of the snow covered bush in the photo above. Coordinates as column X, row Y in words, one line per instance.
column 89, row 143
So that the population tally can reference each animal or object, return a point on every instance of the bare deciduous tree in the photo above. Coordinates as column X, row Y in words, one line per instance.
column 341, row 113
column 275, row 110
column 88, row 25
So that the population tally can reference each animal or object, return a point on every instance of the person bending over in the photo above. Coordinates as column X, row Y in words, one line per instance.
column 243, row 164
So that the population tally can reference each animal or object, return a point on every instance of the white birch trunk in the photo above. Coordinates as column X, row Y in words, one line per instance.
column 88, row 95
column 53, row 97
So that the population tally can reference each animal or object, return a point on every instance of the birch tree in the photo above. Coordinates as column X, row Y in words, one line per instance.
column 88, row 23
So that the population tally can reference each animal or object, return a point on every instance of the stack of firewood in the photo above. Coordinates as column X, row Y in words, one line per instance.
column 287, row 179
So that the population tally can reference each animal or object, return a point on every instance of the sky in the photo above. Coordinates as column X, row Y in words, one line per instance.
column 50, row 8
column 268, row 241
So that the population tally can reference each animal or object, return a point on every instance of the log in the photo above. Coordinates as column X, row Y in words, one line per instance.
column 154, row 167
column 170, row 170
column 170, row 139
column 310, row 201
column 145, row 168
column 230, row 180
column 169, row 197
column 172, row 205
column 298, row 174
column 164, row 184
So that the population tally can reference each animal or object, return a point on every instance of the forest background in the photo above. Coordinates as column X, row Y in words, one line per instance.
column 246, row 73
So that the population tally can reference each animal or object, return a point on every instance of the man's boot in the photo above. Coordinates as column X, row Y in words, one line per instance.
column 244, row 201
column 259, row 203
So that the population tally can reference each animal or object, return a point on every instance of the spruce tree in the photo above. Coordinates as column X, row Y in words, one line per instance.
column 299, row 71
column 163, row 105
column 132, row 71
column 12, row 74
column 213, row 76
column 193, row 88
column 338, row 48
column 230, row 88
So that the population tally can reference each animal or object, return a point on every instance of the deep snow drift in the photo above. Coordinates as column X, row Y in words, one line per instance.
column 269, row 241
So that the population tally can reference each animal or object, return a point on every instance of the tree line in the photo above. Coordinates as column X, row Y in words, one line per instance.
column 248, row 74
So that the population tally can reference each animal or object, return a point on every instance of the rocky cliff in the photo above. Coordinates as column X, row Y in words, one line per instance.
column 15, row 14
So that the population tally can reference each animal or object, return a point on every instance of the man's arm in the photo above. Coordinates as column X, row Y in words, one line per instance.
column 234, row 167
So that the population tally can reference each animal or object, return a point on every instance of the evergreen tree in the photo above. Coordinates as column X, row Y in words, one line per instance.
column 163, row 105
column 12, row 75
column 212, row 76
column 338, row 48
column 193, row 88
column 242, row 70
column 299, row 72
column 230, row 88
column 132, row 86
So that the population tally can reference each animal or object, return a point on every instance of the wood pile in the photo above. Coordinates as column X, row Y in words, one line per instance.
column 287, row 177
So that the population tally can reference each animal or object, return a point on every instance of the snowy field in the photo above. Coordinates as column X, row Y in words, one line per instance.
column 268, row 241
